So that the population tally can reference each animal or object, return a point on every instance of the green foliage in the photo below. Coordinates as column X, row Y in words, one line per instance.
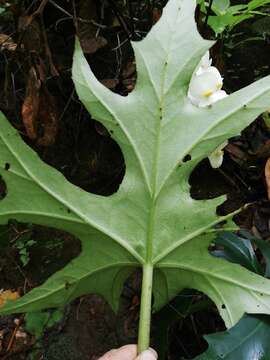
column 264, row 248
column 5, row 12
column 238, row 250
column 23, row 242
column 37, row 322
column 21, row 238
column 220, row 7
column 227, row 17
column 152, row 221
column 248, row 340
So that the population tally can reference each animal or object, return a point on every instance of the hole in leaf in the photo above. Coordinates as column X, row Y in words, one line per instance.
column 187, row 158
column 87, row 156
column 54, row 248
column 190, row 311
column 207, row 183
column 7, row 166
column 38, row 251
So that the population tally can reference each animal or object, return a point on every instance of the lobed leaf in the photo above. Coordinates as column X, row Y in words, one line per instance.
column 152, row 219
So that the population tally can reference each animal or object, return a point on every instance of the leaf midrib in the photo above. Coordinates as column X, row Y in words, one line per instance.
column 152, row 214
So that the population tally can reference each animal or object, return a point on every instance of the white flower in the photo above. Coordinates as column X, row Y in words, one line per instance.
column 218, row 95
column 216, row 158
column 206, row 83
column 205, row 63
column 204, row 90
column 202, row 87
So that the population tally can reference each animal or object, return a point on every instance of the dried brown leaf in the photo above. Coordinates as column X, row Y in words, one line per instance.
column 39, row 111
column 6, row 43
column 8, row 295
column 30, row 107
column 48, row 118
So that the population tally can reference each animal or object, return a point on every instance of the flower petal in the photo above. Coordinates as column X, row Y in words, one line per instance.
column 218, row 95
column 216, row 158
column 203, row 86
column 205, row 63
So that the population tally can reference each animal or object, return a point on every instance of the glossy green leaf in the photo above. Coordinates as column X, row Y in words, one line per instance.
column 237, row 250
column 248, row 340
column 152, row 219
column 263, row 246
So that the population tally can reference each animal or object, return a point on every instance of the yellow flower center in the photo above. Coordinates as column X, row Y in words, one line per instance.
column 207, row 93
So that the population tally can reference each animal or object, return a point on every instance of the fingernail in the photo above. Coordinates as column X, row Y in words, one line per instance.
column 149, row 354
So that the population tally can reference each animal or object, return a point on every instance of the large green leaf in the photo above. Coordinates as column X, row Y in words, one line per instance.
column 248, row 340
column 152, row 219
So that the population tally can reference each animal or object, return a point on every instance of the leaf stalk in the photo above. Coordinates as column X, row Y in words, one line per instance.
column 146, row 307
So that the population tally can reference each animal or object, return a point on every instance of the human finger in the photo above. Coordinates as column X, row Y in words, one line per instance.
column 149, row 354
column 126, row 352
